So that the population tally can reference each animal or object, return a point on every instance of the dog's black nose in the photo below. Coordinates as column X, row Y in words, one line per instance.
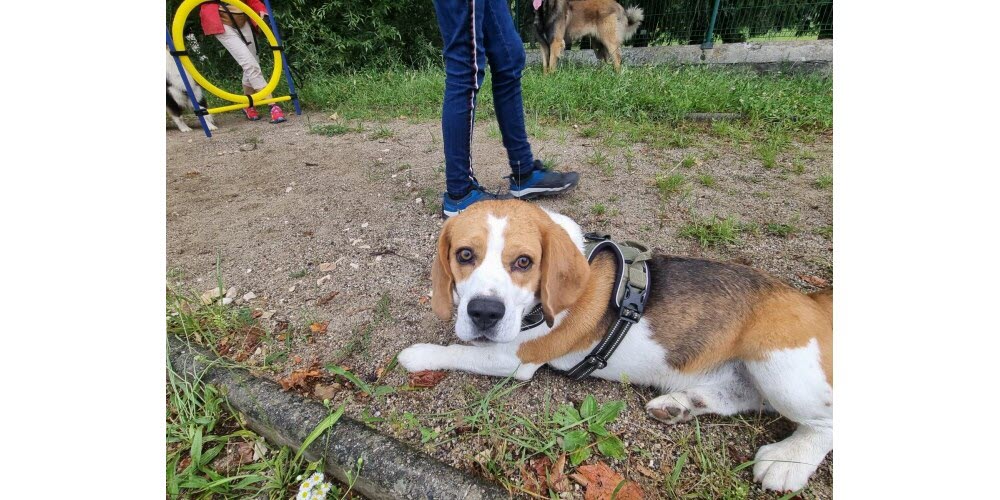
column 485, row 312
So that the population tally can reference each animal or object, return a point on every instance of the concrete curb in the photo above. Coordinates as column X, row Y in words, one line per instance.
column 391, row 469
column 796, row 55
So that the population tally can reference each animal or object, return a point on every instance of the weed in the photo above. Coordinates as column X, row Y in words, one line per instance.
column 298, row 274
column 780, row 230
column 598, row 209
column 714, row 232
column 688, row 162
column 600, row 160
column 382, row 133
column 332, row 129
column 669, row 185
column 825, row 231
column 706, row 180
column 590, row 131
column 824, row 181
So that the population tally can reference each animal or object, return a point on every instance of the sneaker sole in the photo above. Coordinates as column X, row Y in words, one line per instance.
column 532, row 193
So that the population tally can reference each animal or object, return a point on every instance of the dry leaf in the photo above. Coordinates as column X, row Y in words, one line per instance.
column 302, row 379
column 815, row 281
column 296, row 359
column 327, row 298
column 235, row 455
column 319, row 327
column 601, row 482
column 646, row 471
column 426, row 378
column 424, row 299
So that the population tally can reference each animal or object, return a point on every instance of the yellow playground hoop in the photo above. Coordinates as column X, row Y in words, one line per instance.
column 241, row 100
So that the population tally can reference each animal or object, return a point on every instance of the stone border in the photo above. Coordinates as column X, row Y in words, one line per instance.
column 391, row 469
column 795, row 55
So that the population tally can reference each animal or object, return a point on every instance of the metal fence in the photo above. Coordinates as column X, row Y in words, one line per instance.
column 705, row 22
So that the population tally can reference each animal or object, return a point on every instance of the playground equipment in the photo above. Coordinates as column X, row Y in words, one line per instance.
column 184, row 65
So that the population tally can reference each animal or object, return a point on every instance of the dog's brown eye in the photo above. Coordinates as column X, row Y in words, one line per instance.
column 465, row 256
column 522, row 263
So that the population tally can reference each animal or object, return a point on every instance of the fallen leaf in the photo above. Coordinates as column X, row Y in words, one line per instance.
column 297, row 359
column 322, row 301
column 319, row 327
column 323, row 391
column 302, row 379
column 426, row 378
column 601, row 481
column 424, row 299
column 646, row 471
column 233, row 457
column 815, row 281
column 554, row 474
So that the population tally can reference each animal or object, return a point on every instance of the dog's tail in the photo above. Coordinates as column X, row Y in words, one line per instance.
column 634, row 17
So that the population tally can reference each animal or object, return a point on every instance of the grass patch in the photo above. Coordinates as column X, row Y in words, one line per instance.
column 780, row 230
column 298, row 274
column 598, row 209
column 714, row 232
column 600, row 160
column 509, row 439
column 382, row 133
column 824, row 181
column 688, row 162
column 706, row 180
column 432, row 200
column 644, row 94
column 825, row 231
column 332, row 129
column 669, row 185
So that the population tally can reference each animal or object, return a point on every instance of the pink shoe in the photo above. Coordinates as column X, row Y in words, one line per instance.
column 251, row 114
column 277, row 116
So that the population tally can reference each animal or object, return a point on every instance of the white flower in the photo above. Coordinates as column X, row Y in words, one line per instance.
column 306, row 485
column 316, row 477
column 303, row 495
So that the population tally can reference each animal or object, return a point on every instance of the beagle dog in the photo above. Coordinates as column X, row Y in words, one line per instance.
column 715, row 337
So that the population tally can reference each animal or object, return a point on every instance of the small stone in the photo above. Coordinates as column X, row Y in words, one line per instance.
column 326, row 267
column 364, row 225
column 231, row 293
column 291, row 289
column 249, row 296
column 268, row 314
column 249, row 270
column 226, row 301
column 323, row 391
column 355, row 265
column 418, row 201
column 288, row 189
column 324, row 279
column 378, row 258
column 248, row 146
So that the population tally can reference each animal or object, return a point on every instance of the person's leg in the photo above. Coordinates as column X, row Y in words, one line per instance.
column 505, row 53
column 461, row 25
column 252, row 77
column 258, row 84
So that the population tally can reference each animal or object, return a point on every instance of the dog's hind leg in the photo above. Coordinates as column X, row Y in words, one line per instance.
column 725, row 392
column 794, row 383
column 545, row 57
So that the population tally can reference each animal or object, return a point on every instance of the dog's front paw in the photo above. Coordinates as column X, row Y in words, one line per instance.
column 419, row 357
column 784, row 466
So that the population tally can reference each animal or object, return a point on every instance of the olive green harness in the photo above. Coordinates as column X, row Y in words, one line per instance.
column 631, row 289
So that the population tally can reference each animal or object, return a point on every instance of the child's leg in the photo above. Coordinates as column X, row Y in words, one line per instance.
column 461, row 24
column 244, row 55
column 506, row 56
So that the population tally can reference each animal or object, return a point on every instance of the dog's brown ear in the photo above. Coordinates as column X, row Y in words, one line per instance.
column 565, row 272
column 441, row 278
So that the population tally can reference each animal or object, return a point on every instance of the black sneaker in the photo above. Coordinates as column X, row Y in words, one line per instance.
column 543, row 182
column 451, row 207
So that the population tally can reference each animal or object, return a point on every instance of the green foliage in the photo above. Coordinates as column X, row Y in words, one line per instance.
column 581, row 429
column 714, row 232
column 323, row 37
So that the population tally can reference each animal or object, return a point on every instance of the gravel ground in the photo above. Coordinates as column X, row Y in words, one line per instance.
column 274, row 202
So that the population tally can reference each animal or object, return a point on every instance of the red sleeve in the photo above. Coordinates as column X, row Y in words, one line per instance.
column 257, row 6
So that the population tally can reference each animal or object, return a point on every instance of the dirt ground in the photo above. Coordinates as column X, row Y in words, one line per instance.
column 273, row 202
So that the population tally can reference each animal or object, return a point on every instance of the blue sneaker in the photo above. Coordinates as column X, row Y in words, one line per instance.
column 451, row 207
column 543, row 182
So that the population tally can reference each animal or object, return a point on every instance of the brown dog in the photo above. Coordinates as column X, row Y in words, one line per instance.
column 607, row 22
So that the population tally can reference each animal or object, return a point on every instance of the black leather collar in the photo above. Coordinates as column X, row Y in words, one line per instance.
column 534, row 318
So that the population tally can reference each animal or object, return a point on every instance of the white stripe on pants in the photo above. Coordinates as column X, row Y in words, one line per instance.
column 245, row 55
